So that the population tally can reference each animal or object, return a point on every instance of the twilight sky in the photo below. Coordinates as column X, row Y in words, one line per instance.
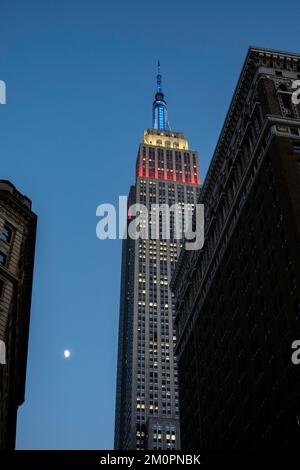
column 80, row 78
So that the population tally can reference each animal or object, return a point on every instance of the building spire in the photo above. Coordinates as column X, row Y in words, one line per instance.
column 160, row 108
column 158, row 77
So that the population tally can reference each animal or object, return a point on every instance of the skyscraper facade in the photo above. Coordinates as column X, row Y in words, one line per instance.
column 17, row 246
column 147, row 407
column 238, row 299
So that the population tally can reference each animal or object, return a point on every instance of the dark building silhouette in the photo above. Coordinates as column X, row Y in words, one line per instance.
column 147, row 405
column 238, row 299
column 17, row 245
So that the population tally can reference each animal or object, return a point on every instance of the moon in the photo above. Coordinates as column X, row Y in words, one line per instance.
column 67, row 353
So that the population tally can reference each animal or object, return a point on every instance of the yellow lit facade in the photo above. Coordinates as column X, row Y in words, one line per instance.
column 164, row 138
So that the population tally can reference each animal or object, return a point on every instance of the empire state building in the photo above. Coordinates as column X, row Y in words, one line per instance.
column 147, row 401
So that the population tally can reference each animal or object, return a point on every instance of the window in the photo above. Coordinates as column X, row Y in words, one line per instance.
column 6, row 233
column 294, row 131
column 296, row 148
column 286, row 103
column 3, row 258
column 1, row 288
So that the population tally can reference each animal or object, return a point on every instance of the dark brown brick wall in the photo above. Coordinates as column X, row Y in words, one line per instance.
column 15, row 305
column 238, row 387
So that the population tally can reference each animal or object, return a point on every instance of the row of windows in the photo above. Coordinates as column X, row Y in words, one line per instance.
column 6, row 236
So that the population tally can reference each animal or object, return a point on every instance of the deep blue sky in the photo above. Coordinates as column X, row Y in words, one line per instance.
column 80, row 80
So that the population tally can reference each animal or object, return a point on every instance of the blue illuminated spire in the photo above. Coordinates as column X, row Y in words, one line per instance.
column 158, row 78
column 160, row 108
